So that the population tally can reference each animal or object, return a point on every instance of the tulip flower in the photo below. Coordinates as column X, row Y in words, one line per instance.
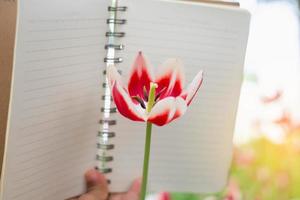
column 156, row 100
column 170, row 99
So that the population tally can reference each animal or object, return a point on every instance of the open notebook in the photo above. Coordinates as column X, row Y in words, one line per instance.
column 59, row 95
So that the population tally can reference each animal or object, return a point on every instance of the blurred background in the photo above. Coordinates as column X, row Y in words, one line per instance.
column 266, row 161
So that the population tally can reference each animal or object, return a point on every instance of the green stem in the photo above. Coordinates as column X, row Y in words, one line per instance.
column 146, row 161
column 151, row 101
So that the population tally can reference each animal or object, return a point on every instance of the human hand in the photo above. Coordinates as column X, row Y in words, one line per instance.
column 97, row 189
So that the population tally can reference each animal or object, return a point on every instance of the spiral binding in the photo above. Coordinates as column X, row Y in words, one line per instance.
column 117, row 8
column 116, row 47
column 104, row 134
column 105, row 146
column 108, row 122
column 116, row 21
column 104, row 72
column 114, row 34
column 104, row 97
column 110, row 110
column 114, row 60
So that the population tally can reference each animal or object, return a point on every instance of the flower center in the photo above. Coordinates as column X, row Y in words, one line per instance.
column 149, row 99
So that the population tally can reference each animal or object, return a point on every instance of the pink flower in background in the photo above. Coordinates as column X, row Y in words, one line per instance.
column 277, row 95
column 160, row 196
column 282, row 179
column 171, row 100
column 244, row 157
column 233, row 191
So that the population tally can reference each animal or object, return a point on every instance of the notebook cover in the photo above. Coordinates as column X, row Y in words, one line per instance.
column 8, row 12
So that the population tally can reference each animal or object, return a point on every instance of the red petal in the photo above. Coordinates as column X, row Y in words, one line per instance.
column 167, row 110
column 165, row 196
column 193, row 88
column 161, row 118
column 184, row 94
column 170, row 78
column 161, row 111
column 139, row 77
column 125, row 104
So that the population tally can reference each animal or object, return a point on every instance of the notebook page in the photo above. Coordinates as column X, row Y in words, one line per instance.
column 54, row 108
column 192, row 154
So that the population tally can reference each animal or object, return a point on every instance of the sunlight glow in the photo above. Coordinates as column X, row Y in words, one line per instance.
column 273, row 57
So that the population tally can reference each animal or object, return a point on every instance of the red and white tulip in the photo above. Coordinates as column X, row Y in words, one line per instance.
column 171, row 99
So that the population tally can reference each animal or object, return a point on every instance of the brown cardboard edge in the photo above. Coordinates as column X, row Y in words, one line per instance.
column 8, row 16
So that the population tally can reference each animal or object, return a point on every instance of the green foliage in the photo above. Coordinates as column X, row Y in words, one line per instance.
column 262, row 170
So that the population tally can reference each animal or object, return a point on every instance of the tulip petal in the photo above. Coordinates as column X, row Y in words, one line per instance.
column 161, row 111
column 125, row 104
column 139, row 78
column 193, row 87
column 181, row 107
column 167, row 110
column 170, row 78
column 113, row 75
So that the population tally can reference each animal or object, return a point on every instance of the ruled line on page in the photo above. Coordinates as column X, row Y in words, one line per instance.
column 65, row 29
column 56, row 101
column 83, row 70
column 57, row 110
column 64, row 48
column 80, row 80
column 29, row 168
column 182, row 23
column 39, row 138
column 61, row 57
column 47, row 148
column 62, row 38
column 184, row 48
column 55, row 67
column 90, row 86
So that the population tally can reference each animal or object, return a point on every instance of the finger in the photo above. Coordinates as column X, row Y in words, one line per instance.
column 132, row 194
column 135, row 188
column 96, row 186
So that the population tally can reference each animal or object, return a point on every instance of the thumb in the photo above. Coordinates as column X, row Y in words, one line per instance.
column 96, row 186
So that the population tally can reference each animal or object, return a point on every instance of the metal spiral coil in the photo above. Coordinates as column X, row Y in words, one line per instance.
column 119, row 71
column 104, row 97
column 109, row 110
column 114, row 60
column 114, row 34
column 116, row 21
column 104, row 158
column 106, row 122
column 104, row 171
column 108, row 134
column 118, row 8
column 114, row 46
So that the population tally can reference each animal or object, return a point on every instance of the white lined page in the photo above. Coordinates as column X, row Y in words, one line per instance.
column 191, row 154
column 55, row 104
